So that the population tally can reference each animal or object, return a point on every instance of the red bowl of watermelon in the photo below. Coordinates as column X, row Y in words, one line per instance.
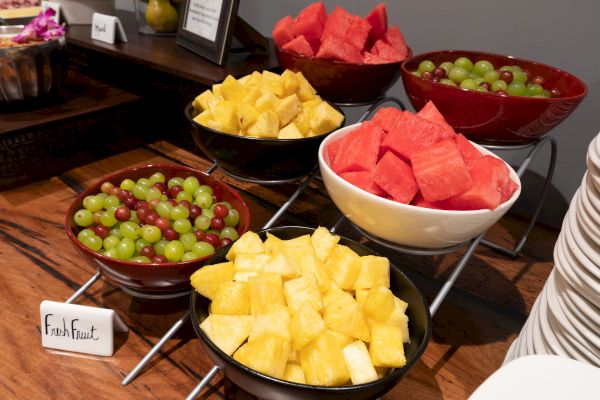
column 418, row 226
column 488, row 117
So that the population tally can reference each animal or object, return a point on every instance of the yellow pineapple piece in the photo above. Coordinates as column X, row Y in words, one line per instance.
column 217, row 126
column 331, row 293
column 255, row 80
column 274, row 82
column 275, row 322
column 232, row 90
column 282, row 265
column 227, row 332
column 311, row 104
column 379, row 303
column 323, row 242
column 249, row 243
column 204, row 100
column 216, row 89
column 252, row 95
column 290, row 131
column 398, row 316
column 294, row 356
column 232, row 298
column 361, row 297
column 265, row 125
column 312, row 266
column 265, row 290
column 359, row 363
column 267, row 101
column 343, row 340
column 203, row 117
column 381, row 372
column 386, row 347
column 290, row 82
column 266, row 354
column 323, row 362
column 250, row 262
column 325, row 118
column 300, row 291
column 287, row 109
column 305, row 90
column 306, row 325
column 273, row 244
column 206, row 280
column 243, row 276
column 298, row 246
column 224, row 113
column 246, row 115
column 244, row 80
column 302, row 122
column 342, row 267
column 343, row 315
column 374, row 271
column 294, row 373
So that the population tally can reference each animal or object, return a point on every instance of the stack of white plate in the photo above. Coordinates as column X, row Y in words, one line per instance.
column 565, row 318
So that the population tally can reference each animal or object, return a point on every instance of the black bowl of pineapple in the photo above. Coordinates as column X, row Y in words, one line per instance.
column 320, row 358
column 241, row 134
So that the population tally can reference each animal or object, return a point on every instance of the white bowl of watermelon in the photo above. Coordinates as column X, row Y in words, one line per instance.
column 410, row 179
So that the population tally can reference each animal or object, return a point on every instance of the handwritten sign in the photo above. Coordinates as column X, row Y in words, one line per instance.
column 78, row 328
column 55, row 6
column 202, row 18
column 107, row 28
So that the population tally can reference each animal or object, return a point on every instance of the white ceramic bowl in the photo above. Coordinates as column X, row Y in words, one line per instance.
column 405, row 224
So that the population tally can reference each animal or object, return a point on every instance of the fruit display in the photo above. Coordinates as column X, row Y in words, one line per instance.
column 483, row 76
column 155, row 220
column 341, row 35
column 306, row 310
column 266, row 105
column 418, row 159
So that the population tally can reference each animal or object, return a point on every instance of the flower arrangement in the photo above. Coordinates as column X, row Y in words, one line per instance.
column 42, row 27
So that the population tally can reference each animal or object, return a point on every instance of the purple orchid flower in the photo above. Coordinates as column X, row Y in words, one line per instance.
column 41, row 27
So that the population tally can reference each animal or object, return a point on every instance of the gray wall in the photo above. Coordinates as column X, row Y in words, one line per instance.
column 565, row 34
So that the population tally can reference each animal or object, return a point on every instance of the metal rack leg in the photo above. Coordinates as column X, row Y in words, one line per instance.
column 211, row 169
column 196, row 391
column 519, row 246
column 84, row 287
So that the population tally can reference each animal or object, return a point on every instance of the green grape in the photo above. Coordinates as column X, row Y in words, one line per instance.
column 107, row 218
column 174, row 250
column 203, row 200
column 182, row 225
column 139, row 192
column 85, row 233
column 202, row 222
column 416, row 73
column 93, row 242
column 188, row 256
column 208, row 213
column 164, row 198
column 164, row 209
column 93, row 203
column 127, row 184
column 479, row 80
column 151, row 233
column 159, row 247
column 156, row 177
column 499, row 85
column 516, row 88
column 458, row 74
column 102, row 195
column 112, row 252
column 125, row 248
column 191, row 184
column 140, row 244
column 116, row 231
column 188, row 239
column 226, row 204
column 111, row 201
column 175, row 181
column 473, row 75
column 143, row 182
column 468, row 84
column 491, row 76
column 519, row 76
column 133, row 217
column 110, row 242
column 481, row 89
column 179, row 212
column 533, row 89
column 483, row 66
column 216, row 232
column 233, row 218
column 183, row 195
column 463, row 62
column 229, row 232
column 140, row 259
column 203, row 249
column 448, row 82
column 84, row 217
column 426, row 65
column 447, row 65
column 153, row 193
column 130, row 230
column 546, row 93
column 515, row 68
column 203, row 189
column 506, row 68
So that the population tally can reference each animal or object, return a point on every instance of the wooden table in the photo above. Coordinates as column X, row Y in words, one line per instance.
column 471, row 331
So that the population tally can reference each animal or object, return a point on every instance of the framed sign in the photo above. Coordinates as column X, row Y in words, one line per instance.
column 206, row 27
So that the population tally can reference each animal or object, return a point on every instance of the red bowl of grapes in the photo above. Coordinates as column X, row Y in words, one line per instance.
column 490, row 97
column 149, row 228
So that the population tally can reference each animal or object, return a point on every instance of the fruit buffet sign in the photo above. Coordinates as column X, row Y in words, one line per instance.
column 206, row 27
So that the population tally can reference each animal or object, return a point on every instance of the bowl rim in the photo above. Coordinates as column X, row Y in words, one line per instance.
column 301, row 386
column 408, row 207
column 579, row 96
column 338, row 62
column 94, row 188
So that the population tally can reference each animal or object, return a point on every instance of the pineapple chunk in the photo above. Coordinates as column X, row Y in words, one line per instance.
column 249, row 243
column 255, row 80
column 302, row 122
column 227, row 332
column 216, row 89
column 331, row 293
column 273, row 82
column 266, row 101
column 305, row 90
column 361, row 297
column 232, row 90
column 306, row 325
column 206, row 280
column 266, row 125
column 323, row 242
column 325, row 118
column 290, row 82
column 293, row 355
column 312, row 266
column 266, row 354
column 252, row 95
column 298, row 246
column 273, row 244
column 282, row 265
column 343, row 315
column 244, row 80
column 243, row 276
column 381, row 372
column 287, row 109
column 398, row 316
column 374, row 271
column 246, row 115
column 250, row 262
column 341, row 266
column 323, row 362
column 217, row 126
column 275, row 323
column 386, row 347
column 359, row 363
column 343, row 340
column 294, row 373
column 224, row 113
column 232, row 298
column 310, row 105
column 290, row 131
column 204, row 100
column 300, row 291
column 266, row 290
column 379, row 303
column 203, row 117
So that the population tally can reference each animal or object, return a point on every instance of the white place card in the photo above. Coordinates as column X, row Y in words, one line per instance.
column 55, row 6
column 78, row 328
column 107, row 28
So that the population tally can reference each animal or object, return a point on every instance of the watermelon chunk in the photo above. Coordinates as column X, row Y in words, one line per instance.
column 387, row 117
column 440, row 171
column 371, row 58
column 432, row 114
column 387, row 52
column 363, row 180
column 299, row 45
column 394, row 37
column 337, row 49
column 358, row 33
column 489, row 175
column 466, row 148
column 507, row 190
column 419, row 201
column 378, row 20
column 338, row 23
column 284, row 31
column 411, row 134
column 396, row 177
column 332, row 150
column 359, row 149
column 310, row 22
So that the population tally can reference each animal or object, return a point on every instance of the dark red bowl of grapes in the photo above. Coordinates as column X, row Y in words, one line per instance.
column 149, row 228
column 490, row 97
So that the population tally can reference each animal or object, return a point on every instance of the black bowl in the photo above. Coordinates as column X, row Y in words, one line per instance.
column 266, row 387
column 257, row 159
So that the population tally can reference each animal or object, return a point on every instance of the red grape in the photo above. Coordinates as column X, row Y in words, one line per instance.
column 147, row 251
column 106, row 187
column 141, row 204
column 427, row 75
column 501, row 93
column 159, row 259
column 185, row 203
column 172, row 201
column 152, row 217
column 130, row 202
column 162, row 187
column 212, row 239
column 439, row 73
column 123, row 214
column 124, row 194
column 162, row 223
column 195, row 211
column 220, row 210
column 199, row 234
column 175, row 190
column 217, row 223
column 224, row 242
column 142, row 213
column 171, row 234
column 486, row 85
column 506, row 76
column 102, row 231
column 152, row 203
column 555, row 92
column 114, row 191
column 538, row 80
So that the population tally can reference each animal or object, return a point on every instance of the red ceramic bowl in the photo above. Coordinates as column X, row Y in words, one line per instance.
column 343, row 82
column 150, row 278
column 488, row 117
